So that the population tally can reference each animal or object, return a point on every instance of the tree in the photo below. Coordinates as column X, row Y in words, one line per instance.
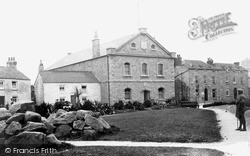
column 77, row 92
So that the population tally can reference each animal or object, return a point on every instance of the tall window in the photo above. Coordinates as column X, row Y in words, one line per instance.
column 234, row 80
column 161, row 93
column 196, row 79
column 144, row 69
column 127, row 94
column 241, row 80
column 214, row 93
column 205, row 78
column 1, row 84
column 14, row 85
column 213, row 79
column 227, row 80
column 160, row 69
column 127, row 70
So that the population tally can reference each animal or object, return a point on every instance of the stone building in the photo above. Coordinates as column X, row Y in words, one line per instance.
column 246, row 64
column 14, row 85
column 55, row 86
column 135, row 67
column 202, row 82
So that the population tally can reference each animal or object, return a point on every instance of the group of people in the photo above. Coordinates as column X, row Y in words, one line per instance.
column 240, row 111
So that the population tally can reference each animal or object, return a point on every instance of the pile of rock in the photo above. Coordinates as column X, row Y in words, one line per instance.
column 30, row 129
column 81, row 124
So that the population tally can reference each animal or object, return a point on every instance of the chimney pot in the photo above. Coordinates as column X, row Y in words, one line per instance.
column 143, row 30
column 237, row 63
column 173, row 54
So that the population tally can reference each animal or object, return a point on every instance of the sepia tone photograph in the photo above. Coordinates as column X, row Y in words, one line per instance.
column 124, row 78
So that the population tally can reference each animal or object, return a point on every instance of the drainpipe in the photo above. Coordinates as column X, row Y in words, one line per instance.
column 108, row 80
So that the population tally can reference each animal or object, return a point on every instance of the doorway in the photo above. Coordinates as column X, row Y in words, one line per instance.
column 205, row 94
column 235, row 93
column 146, row 94
column 2, row 101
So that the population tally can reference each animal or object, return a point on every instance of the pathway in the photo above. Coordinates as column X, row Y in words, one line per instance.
column 235, row 143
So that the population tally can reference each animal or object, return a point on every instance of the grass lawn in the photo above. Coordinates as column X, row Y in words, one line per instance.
column 166, row 125
column 137, row 151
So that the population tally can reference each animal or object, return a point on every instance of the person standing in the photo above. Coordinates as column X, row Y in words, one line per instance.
column 240, row 111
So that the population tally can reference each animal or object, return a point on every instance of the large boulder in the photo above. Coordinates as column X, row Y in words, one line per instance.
column 94, row 123
column 64, row 118
column 53, row 140
column 78, row 124
column 13, row 128
column 60, row 111
column 50, row 127
column 27, row 139
column 63, row 130
column 32, row 116
column 4, row 114
column 104, row 123
column 18, row 117
column 80, row 114
column 89, row 134
column 2, row 128
column 35, row 126
column 22, row 107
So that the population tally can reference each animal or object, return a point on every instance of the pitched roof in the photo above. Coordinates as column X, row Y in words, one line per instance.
column 10, row 73
column 68, row 77
column 197, row 64
column 87, row 53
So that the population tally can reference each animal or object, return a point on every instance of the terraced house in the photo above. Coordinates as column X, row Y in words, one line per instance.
column 14, row 85
column 202, row 82
column 135, row 67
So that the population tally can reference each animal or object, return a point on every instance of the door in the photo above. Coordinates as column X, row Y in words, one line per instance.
column 235, row 93
column 73, row 99
column 205, row 94
column 146, row 95
column 2, row 101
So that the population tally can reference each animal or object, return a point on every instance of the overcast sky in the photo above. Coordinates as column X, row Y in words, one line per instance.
column 47, row 30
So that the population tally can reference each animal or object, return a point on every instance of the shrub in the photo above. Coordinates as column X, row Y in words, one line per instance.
column 119, row 105
column 147, row 103
column 129, row 105
column 88, row 105
column 138, row 106
column 43, row 109
column 103, row 108
column 58, row 105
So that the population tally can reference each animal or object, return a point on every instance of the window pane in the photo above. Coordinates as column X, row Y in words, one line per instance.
column 144, row 69
column 160, row 69
column 127, row 68
column 127, row 94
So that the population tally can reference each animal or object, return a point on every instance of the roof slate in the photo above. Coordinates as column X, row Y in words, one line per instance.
column 87, row 53
column 197, row 64
column 10, row 73
column 68, row 77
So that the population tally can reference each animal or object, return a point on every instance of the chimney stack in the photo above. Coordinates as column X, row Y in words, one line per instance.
column 40, row 68
column 210, row 61
column 237, row 64
column 12, row 63
column 173, row 54
column 143, row 30
column 178, row 61
column 96, row 46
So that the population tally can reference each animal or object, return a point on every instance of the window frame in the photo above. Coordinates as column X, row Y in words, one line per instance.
column 127, row 93
column 227, row 92
column 61, row 88
column 158, row 69
column 14, row 88
column 133, row 47
column 153, row 47
column 3, row 86
column 161, row 92
column 124, row 69
column 84, row 88
column 227, row 80
column 142, row 71
column 214, row 93
column 234, row 80
column 213, row 80
column 14, row 99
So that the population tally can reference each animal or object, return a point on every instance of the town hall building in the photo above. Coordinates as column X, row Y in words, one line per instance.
column 132, row 68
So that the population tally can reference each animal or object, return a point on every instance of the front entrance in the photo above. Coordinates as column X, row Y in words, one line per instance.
column 73, row 99
column 146, row 94
column 205, row 94
column 235, row 93
column 2, row 101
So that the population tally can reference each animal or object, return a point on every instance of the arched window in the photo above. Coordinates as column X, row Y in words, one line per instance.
column 133, row 45
column 161, row 93
column 127, row 92
column 127, row 70
column 153, row 47
column 144, row 69
column 160, row 69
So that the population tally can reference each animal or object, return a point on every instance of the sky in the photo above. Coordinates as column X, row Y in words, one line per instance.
column 34, row 30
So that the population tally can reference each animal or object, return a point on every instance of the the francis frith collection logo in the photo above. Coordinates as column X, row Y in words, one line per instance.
column 211, row 28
